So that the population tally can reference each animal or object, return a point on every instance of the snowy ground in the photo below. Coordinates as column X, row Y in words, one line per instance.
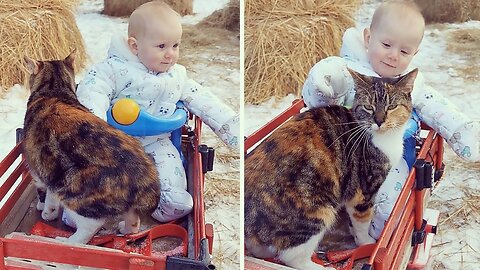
column 215, row 64
column 448, row 57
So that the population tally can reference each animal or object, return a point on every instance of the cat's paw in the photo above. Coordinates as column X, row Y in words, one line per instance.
column 122, row 229
column 50, row 213
column 40, row 205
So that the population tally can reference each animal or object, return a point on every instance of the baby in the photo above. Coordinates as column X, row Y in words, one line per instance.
column 144, row 68
column 386, row 50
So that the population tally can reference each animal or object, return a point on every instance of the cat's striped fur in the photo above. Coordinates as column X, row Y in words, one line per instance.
column 93, row 170
column 321, row 160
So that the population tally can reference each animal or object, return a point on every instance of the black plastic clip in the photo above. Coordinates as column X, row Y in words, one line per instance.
column 419, row 236
column 423, row 174
column 208, row 154
column 19, row 134
column 439, row 173
column 182, row 263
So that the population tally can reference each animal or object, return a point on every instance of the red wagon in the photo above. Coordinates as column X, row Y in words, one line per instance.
column 406, row 240
column 185, row 244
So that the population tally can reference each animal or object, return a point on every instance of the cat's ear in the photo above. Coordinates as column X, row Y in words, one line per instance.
column 33, row 67
column 70, row 59
column 406, row 81
column 359, row 80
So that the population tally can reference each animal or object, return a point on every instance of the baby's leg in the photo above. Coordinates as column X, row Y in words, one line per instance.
column 360, row 213
column 86, row 228
column 175, row 201
column 299, row 257
column 387, row 196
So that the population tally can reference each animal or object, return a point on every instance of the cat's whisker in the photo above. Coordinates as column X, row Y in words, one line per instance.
column 354, row 134
column 346, row 132
column 353, row 122
column 358, row 141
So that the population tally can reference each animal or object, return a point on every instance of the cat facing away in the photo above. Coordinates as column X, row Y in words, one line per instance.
column 321, row 160
column 93, row 170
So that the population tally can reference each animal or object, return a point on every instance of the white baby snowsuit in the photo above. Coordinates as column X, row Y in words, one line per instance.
column 122, row 75
column 462, row 134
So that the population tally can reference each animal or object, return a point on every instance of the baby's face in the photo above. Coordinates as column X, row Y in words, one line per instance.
column 392, row 45
column 159, row 48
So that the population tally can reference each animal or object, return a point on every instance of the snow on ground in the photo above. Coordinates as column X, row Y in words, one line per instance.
column 450, row 66
column 216, row 66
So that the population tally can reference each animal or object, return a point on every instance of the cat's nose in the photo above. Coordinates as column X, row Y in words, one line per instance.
column 379, row 119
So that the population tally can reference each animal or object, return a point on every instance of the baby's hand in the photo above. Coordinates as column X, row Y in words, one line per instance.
column 466, row 141
column 325, row 83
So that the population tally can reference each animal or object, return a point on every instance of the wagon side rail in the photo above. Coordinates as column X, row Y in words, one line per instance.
column 406, row 227
column 269, row 127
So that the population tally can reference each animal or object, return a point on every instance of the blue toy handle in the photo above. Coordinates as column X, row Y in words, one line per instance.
column 149, row 125
column 409, row 140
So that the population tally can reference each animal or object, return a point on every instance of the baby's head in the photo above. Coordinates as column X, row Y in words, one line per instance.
column 154, row 35
column 394, row 37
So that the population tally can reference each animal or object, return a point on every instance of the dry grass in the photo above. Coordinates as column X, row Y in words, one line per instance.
column 283, row 39
column 449, row 10
column 198, row 39
column 466, row 42
column 41, row 30
column 228, row 17
column 122, row 8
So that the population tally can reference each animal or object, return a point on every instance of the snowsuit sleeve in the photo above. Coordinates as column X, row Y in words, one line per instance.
column 328, row 82
column 460, row 132
column 97, row 89
column 213, row 112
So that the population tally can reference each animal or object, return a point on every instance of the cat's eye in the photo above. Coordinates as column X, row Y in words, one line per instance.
column 368, row 108
column 391, row 107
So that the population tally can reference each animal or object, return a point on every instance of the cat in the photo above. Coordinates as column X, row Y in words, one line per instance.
column 321, row 160
column 93, row 170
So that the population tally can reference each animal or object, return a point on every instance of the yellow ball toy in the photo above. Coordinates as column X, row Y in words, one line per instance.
column 125, row 111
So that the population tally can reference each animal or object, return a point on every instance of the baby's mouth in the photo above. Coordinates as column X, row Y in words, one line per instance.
column 389, row 65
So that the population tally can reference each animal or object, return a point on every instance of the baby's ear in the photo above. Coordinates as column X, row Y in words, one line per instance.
column 359, row 80
column 406, row 81
column 132, row 45
column 31, row 65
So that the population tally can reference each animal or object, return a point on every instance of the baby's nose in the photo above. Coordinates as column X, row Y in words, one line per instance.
column 169, row 53
column 393, row 55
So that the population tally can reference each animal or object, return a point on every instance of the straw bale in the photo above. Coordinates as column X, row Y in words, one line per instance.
column 122, row 8
column 439, row 11
column 228, row 17
column 284, row 39
column 41, row 30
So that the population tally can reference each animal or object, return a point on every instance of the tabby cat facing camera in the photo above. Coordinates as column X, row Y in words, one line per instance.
column 321, row 160
column 93, row 170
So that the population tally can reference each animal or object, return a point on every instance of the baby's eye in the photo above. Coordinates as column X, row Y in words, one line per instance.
column 386, row 45
column 404, row 52
column 161, row 46
column 176, row 45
